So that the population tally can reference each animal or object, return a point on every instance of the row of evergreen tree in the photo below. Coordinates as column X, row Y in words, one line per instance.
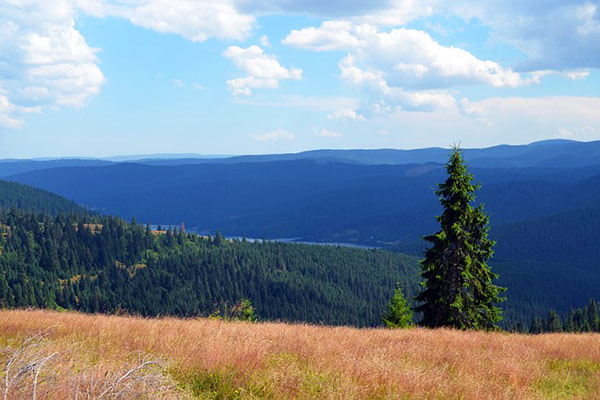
column 585, row 319
column 104, row 264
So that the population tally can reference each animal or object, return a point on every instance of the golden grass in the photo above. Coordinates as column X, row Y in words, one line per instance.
column 216, row 359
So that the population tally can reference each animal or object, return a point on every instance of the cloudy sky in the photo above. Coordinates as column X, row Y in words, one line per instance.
column 108, row 77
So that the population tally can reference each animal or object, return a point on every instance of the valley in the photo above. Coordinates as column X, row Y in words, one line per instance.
column 544, row 215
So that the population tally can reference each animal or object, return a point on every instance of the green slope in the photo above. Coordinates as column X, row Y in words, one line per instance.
column 114, row 266
column 14, row 195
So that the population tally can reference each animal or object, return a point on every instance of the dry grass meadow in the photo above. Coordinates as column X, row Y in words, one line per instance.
column 51, row 355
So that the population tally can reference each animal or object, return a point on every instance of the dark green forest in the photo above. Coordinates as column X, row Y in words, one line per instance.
column 584, row 319
column 103, row 264
column 14, row 195
column 48, row 262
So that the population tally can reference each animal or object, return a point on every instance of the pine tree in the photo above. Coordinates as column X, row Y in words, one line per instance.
column 457, row 290
column 219, row 239
column 579, row 321
column 399, row 314
column 536, row 325
column 569, row 323
column 553, row 324
column 519, row 327
column 593, row 318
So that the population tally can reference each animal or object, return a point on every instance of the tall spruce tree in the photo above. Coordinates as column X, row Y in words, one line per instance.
column 457, row 290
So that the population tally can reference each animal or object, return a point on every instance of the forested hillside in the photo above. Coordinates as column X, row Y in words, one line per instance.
column 317, row 201
column 569, row 237
column 102, row 264
column 14, row 195
column 314, row 200
column 544, row 219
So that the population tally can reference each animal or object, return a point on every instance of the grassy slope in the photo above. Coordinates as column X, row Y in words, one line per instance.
column 215, row 359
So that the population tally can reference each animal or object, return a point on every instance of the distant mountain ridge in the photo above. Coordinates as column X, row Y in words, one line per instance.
column 544, row 154
column 556, row 153
column 12, row 167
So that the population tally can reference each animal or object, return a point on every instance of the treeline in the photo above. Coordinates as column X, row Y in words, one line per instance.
column 585, row 319
column 103, row 264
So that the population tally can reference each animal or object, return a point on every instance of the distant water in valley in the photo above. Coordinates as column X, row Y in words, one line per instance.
column 284, row 240
column 299, row 240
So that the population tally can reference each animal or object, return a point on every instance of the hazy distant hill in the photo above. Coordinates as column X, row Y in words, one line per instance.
column 549, row 153
column 310, row 199
column 11, row 167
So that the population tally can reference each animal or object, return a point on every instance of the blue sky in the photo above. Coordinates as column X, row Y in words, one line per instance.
column 108, row 77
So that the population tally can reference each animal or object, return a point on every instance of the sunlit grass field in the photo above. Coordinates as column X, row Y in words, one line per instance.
column 52, row 355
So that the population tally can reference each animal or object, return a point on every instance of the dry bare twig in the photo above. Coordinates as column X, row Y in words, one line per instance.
column 29, row 357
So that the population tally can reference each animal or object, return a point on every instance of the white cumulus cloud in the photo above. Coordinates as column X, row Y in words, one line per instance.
column 409, row 57
column 386, row 99
column 468, row 109
column 264, row 41
column 196, row 20
column 331, row 35
column 401, row 69
column 558, row 35
column 44, row 61
column 571, row 117
column 278, row 134
column 327, row 133
column 346, row 113
column 263, row 71
column 398, row 12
